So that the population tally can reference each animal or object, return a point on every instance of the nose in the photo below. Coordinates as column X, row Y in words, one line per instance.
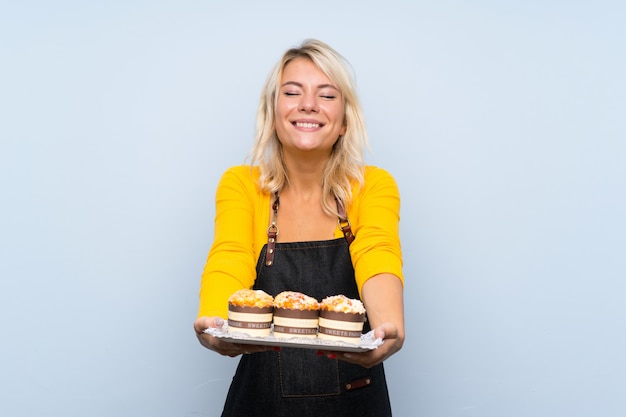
column 308, row 103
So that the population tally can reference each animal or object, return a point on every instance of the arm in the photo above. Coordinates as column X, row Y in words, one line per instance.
column 231, row 262
column 377, row 257
column 383, row 299
column 375, row 213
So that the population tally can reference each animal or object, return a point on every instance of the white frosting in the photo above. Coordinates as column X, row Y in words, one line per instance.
column 344, row 304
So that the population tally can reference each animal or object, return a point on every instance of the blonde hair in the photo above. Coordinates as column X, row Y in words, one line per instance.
column 345, row 166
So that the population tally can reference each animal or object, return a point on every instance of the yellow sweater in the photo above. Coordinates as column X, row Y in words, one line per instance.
column 241, row 221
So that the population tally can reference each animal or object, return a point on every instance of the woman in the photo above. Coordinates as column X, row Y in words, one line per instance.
column 336, row 227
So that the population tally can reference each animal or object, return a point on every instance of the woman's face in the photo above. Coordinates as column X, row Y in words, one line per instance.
column 309, row 110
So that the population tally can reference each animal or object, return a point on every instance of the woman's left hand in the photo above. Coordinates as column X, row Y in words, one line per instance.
column 392, row 342
column 382, row 297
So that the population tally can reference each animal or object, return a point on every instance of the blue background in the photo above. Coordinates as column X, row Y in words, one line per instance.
column 503, row 122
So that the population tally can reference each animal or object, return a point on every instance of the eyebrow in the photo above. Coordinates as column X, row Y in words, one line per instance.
column 319, row 87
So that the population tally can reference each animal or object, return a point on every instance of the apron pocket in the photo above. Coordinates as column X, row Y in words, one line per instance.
column 303, row 373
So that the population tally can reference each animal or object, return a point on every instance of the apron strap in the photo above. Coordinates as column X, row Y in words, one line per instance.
column 344, row 222
column 272, row 230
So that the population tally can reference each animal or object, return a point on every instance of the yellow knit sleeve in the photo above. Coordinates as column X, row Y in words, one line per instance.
column 232, row 259
column 375, row 214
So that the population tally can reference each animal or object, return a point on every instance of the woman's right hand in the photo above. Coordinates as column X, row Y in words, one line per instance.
column 219, row 345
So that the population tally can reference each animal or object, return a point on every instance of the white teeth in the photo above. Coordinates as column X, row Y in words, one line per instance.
column 307, row 125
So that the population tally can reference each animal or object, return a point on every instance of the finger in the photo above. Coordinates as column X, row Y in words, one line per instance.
column 380, row 333
column 386, row 331
column 203, row 323
column 216, row 322
column 200, row 324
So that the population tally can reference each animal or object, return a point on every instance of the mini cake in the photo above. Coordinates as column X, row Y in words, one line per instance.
column 341, row 319
column 250, row 311
column 295, row 315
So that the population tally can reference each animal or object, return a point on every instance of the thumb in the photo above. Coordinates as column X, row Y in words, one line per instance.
column 379, row 333
column 203, row 323
column 216, row 322
column 386, row 331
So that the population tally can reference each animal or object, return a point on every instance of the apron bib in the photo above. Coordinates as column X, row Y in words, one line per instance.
column 298, row 382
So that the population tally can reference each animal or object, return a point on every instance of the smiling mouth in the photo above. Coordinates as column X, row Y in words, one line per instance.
column 307, row 125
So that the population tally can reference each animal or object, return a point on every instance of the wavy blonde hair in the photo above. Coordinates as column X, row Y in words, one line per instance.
column 345, row 166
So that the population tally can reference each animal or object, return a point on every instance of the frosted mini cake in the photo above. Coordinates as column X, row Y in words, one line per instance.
column 295, row 315
column 250, row 312
column 341, row 319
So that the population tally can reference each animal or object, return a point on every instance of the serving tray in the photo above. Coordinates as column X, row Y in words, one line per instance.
column 368, row 342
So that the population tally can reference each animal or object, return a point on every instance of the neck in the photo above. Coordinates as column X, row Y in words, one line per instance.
column 305, row 176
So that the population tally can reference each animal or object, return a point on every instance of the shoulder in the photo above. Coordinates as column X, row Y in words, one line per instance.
column 242, row 172
column 376, row 178
column 373, row 173
column 240, row 175
column 379, row 189
column 240, row 180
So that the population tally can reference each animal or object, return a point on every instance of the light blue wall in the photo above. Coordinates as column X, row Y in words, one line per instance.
column 503, row 122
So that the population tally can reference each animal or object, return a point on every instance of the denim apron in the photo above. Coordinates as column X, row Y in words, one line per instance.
column 299, row 382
